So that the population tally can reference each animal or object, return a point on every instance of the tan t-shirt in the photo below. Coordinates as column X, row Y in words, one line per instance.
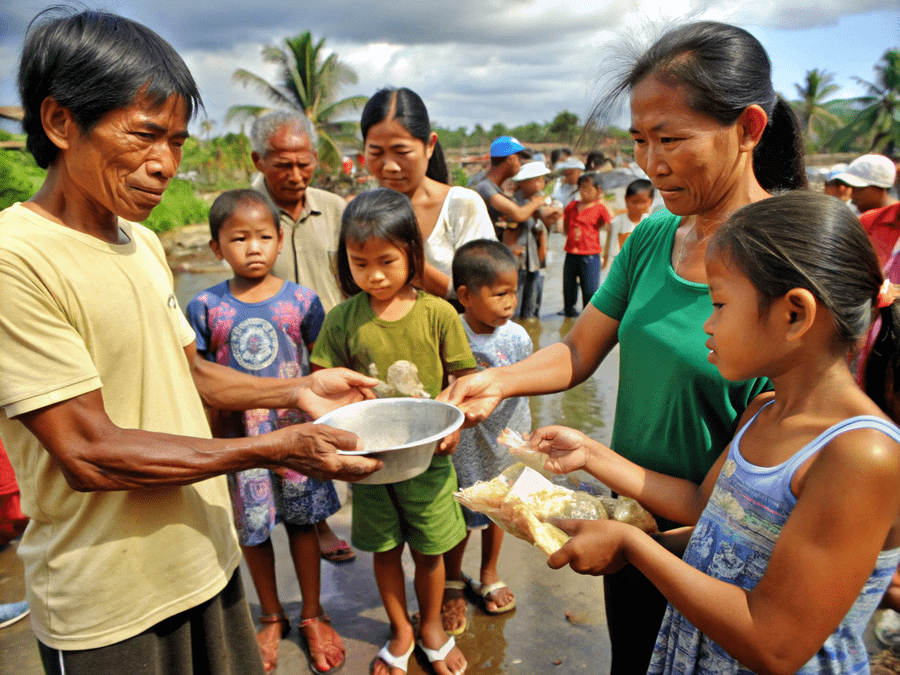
column 79, row 314
column 309, row 255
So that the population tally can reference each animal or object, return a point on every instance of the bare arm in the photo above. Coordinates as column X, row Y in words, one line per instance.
column 845, row 515
column 433, row 281
column 95, row 454
column 554, row 368
column 513, row 212
column 225, row 388
column 676, row 499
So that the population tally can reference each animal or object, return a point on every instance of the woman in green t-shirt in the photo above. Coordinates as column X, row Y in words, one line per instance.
column 712, row 135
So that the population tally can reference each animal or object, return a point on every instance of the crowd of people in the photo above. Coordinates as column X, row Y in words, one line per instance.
column 756, row 409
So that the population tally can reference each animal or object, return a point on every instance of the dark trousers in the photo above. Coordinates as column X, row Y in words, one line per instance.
column 216, row 637
column 531, row 286
column 634, row 614
column 579, row 271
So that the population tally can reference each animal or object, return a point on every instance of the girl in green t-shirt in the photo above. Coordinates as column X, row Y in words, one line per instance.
column 380, row 253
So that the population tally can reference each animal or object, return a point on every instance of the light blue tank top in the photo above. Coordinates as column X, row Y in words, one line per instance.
column 733, row 541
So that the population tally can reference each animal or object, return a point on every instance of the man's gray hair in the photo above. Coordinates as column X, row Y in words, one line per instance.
column 267, row 124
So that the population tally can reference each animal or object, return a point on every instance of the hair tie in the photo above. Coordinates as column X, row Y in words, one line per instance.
column 886, row 295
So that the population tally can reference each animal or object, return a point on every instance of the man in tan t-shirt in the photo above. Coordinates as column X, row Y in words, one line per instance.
column 131, row 552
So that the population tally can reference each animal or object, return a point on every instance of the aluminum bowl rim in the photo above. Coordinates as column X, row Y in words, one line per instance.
column 449, row 429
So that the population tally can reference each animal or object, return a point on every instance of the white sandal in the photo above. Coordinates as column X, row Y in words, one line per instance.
column 485, row 591
column 439, row 654
column 392, row 661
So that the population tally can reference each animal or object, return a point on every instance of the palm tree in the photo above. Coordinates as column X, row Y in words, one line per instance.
column 815, row 117
column 306, row 81
column 878, row 123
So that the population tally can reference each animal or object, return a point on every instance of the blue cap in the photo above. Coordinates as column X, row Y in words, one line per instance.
column 505, row 146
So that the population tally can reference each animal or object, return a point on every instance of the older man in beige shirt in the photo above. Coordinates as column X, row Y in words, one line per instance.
column 283, row 145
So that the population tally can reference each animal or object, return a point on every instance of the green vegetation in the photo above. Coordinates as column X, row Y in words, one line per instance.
column 220, row 163
column 875, row 124
column 20, row 176
column 180, row 206
column 306, row 82
column 818, row 121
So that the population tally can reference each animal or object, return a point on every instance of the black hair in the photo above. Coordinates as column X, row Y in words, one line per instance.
column 596, row 159
column 805, row 239
column 408, row 108
column 593, row 177
column 725, row 70
column 881, row 371
column 230, row 201
column 639, row 186
column 557, row 153
column 92, row 63
column 385, row 214
column 478, row 262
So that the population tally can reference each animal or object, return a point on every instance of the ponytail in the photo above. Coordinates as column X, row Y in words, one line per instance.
column 881, row 373
column 437, row 166
column 778, row 157
column 724, row 70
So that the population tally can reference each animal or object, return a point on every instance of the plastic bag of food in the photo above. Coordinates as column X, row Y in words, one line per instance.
column 522, row 502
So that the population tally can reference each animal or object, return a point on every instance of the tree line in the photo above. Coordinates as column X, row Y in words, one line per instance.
column 311, row 81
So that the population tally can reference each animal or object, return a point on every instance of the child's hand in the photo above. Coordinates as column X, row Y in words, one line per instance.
column 597, row 546
column 448, row 444
column 566, row 449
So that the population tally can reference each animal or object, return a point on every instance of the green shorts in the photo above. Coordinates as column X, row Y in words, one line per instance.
column 420, row 511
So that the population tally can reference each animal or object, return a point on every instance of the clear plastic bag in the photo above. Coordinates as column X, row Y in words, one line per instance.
column 522, row 502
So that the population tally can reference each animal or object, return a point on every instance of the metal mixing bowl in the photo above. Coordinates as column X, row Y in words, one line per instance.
column 403, row 431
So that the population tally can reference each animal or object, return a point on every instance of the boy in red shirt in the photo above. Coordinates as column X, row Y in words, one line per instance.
column 583, row 219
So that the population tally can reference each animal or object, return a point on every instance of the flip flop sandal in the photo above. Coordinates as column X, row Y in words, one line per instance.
column 322, row 647
column 268, row 649
column 456, row 586
column 340, row 552
column 438, row 654
column 484, row 592
column 391, row 661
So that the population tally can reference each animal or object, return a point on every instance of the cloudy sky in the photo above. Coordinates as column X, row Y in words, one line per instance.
column 481, row 61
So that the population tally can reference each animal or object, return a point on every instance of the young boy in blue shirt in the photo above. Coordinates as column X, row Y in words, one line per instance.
column 266, row 326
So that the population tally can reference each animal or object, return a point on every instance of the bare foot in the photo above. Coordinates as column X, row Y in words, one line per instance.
column 331, row 547
column 500, row 599
column 453, row 608
column 326, row 649
column 275, row 627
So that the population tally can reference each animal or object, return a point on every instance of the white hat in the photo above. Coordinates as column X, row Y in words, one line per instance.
column 531, row 170
column 875, row 170
column 570, row 163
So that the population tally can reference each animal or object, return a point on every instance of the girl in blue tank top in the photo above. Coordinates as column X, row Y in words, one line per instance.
column 795, row 533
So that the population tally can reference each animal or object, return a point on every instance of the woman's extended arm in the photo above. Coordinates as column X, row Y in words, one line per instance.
column 554, row 368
